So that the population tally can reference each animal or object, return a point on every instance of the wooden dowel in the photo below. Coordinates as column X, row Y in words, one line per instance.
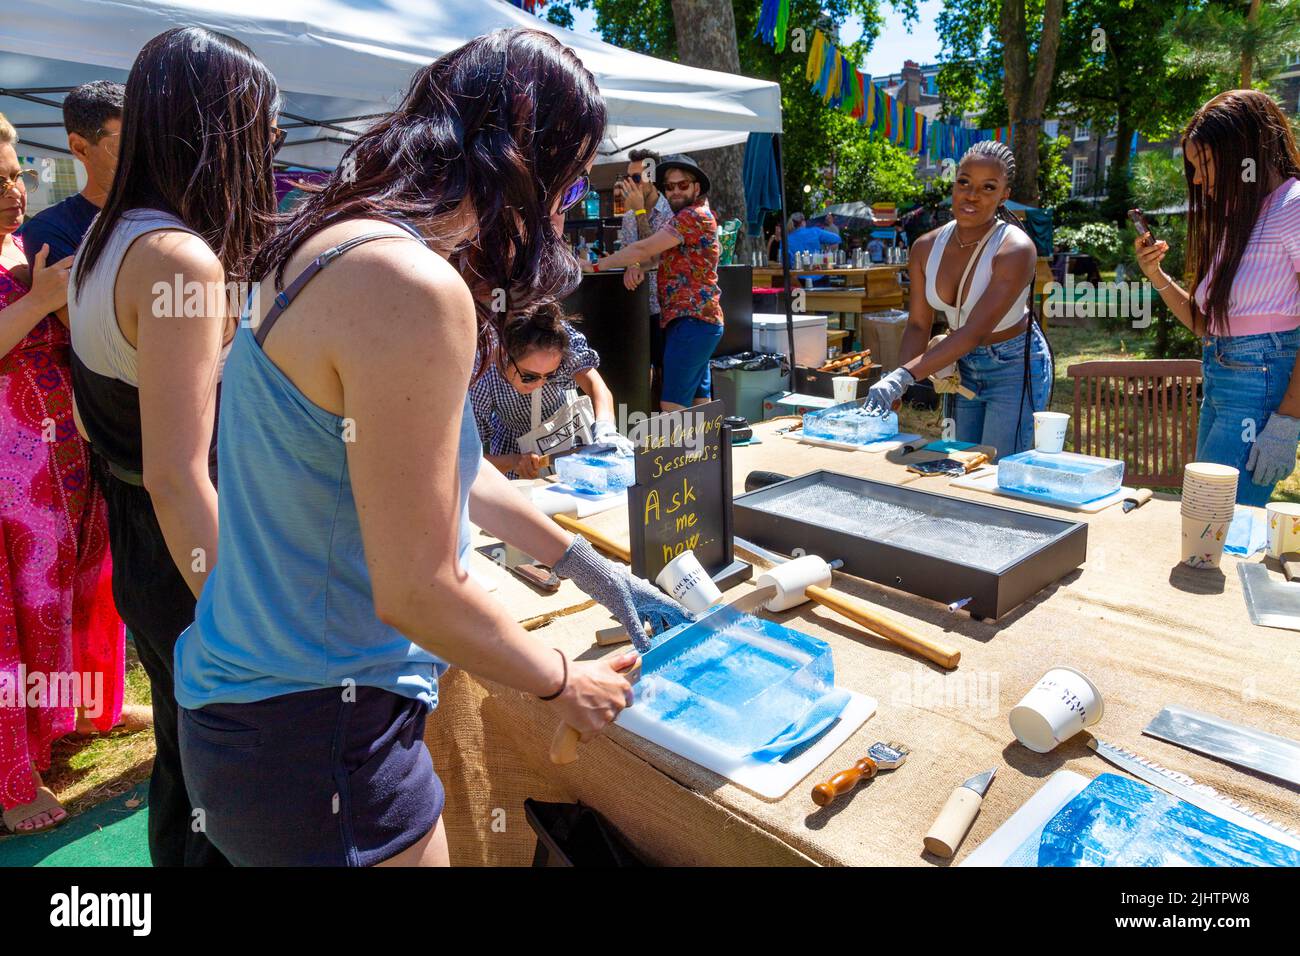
column 861, row 612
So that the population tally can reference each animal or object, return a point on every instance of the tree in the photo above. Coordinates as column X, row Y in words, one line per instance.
column 1113, row 72
column 1234, row 43
column 870, row 169
column 814, row 134
column 1018, row 71
column 1053, row 176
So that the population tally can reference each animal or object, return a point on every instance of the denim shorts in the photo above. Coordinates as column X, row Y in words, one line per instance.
column 1246, row 377
column 1002, row 412
column 688, row 345
column 312, row 778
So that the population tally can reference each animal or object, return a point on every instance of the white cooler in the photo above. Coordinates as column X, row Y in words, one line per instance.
column 809, row 337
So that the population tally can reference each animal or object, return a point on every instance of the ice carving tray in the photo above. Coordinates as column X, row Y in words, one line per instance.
column 875, row 447
column 715, row 696
column 986, row 479
column 924, row 543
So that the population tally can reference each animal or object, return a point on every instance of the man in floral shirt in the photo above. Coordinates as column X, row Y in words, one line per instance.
column 690, row 301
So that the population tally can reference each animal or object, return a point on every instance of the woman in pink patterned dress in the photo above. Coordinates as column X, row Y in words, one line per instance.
column 61, row 641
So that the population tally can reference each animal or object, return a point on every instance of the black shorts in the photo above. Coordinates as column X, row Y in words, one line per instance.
column 311, row 779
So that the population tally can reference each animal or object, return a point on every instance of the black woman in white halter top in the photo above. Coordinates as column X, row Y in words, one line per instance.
column 976, row 273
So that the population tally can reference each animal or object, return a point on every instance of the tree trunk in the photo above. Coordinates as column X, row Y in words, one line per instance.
column 706, row 37
column 1026, row 96
column 1117, row 185
column 1247, row 62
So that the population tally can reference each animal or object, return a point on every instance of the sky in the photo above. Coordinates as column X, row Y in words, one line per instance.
column 892, row 47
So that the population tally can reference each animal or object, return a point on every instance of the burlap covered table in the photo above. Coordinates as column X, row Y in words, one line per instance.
column 1146, row 630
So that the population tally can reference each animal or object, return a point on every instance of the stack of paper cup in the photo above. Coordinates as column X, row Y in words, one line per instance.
column 1209, row 497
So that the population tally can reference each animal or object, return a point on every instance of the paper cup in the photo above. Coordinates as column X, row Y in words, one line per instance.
column 845, row 388
column 1060, row 705
column 685, row 580
column 1049, row 431
column 1209, row 472
column 1203, row 540
column 1283, row 528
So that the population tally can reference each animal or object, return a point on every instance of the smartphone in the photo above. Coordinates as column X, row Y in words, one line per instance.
column 1140, row 224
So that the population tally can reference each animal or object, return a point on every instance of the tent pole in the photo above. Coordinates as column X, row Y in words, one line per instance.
column 785, row 258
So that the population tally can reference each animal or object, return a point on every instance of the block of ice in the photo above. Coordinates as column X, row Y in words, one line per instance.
column 737, row 688
column 850, row 422
column 596, row 474
column 1116, row 821
column 1065, row 476
column 970, row 541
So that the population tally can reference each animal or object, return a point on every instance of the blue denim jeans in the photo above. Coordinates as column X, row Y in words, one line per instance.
column 1002, row 412
column 1245, row 379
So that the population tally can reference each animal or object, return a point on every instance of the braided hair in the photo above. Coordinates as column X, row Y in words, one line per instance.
column 991, row 151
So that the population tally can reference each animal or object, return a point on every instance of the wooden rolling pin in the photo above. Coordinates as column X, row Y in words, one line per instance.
column 598, row 539
column 564, row 745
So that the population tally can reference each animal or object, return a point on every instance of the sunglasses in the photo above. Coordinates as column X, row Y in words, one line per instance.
column 575, row 192
column 278, row 137
column 680, row 185
column 30, row 178
column 528, row 378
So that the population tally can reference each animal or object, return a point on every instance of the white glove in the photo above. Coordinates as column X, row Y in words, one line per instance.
column 606, row 433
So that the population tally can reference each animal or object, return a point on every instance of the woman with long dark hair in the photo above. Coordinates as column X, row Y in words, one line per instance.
column 350, row 472
column 1243, row 244
column 192, row 197
column 978, row 271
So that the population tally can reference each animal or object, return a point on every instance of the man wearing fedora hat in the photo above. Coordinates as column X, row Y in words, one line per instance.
column 690, row 302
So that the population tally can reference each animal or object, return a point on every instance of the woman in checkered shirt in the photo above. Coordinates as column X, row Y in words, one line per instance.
column 545, row 361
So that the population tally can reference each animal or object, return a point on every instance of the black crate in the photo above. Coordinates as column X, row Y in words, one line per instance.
column 993, row 592
column 811, row 381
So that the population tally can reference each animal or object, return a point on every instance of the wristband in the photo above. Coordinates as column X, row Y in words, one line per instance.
column 639, row 212
column 595, row 267
column 563, row 683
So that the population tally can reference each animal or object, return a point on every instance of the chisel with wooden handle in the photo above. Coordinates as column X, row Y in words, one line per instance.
column 880, row 756
column 598, row 539
column 564, row 745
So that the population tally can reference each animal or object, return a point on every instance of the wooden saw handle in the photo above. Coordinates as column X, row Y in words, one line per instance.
column 598, row 538
column 564, row 745
column 859, row 611
column 843, row 782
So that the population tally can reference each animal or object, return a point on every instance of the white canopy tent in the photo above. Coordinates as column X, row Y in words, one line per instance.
column 341, row 62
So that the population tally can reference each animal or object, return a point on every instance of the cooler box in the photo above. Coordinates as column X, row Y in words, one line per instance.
column 743, row 391
column 793, row 403
column 770, row 335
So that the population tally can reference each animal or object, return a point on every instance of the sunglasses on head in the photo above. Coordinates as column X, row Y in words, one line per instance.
column 528, row 378
column 278, row 137
column 575, row 192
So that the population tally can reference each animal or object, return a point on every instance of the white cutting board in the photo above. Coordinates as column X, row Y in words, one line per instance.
column 1061, row 787
column 770, row 780
column 561, row 499
column 875, row 447
column 986, row 479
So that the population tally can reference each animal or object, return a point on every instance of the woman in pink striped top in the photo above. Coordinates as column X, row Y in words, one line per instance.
column 1243, row 243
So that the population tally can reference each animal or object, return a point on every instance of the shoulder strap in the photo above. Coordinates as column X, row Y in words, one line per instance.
column 286, row 296
column 970, row 264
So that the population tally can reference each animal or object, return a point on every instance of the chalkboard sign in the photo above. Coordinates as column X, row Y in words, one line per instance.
column 682, row 496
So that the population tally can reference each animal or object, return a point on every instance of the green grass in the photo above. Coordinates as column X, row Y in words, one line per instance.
column 86, row 771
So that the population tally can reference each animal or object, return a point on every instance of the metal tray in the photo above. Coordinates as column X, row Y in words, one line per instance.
column 889, row 555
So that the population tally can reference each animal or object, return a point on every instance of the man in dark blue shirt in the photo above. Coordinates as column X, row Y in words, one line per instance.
column 92, row 115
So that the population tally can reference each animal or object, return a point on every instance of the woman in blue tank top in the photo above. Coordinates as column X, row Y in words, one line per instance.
column 350, row 471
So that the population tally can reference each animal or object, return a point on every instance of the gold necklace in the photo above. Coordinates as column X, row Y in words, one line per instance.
column 966, row 245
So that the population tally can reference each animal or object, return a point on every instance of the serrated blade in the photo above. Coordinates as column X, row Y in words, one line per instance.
column 710, row 622
column 1197, row 794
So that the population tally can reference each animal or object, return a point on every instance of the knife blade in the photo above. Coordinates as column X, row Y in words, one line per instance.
column 1224, row 740
column 1198, row 794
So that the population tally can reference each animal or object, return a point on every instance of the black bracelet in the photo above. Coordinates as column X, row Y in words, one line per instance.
column 564, row 683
